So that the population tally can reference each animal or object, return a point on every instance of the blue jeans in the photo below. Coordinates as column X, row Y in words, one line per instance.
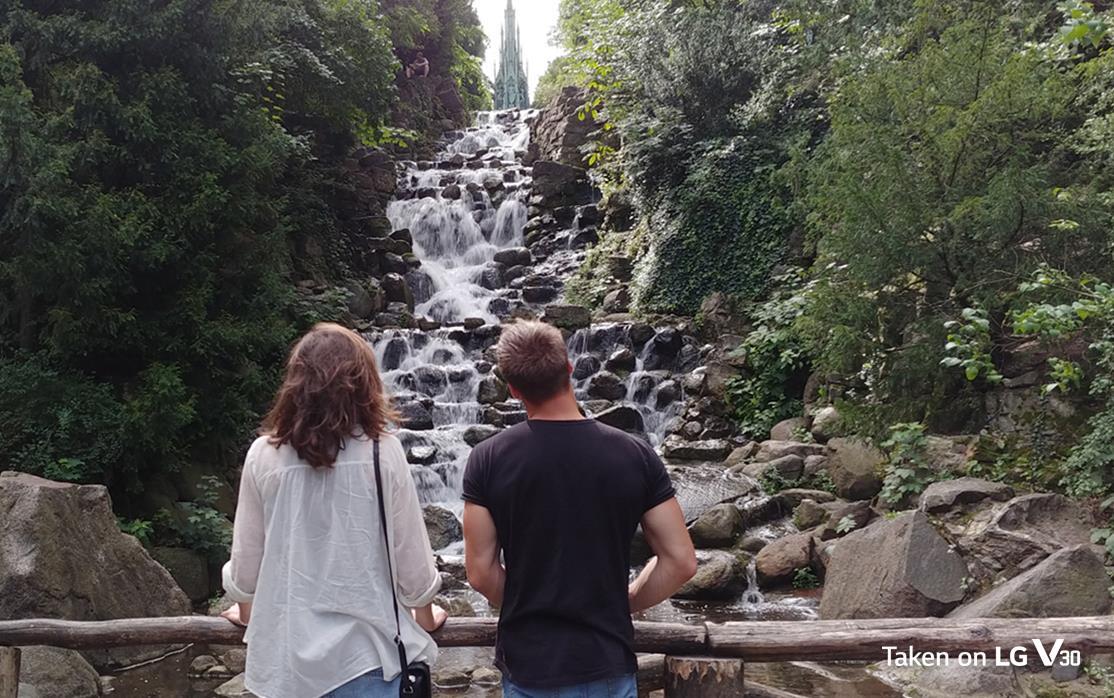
column 622, row 687
column 370, row 685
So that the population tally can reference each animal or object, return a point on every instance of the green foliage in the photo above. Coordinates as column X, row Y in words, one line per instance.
column 142, row 529
column 770, row 387
column 773, row 481
column 969, row 346
column 805, row 578
column 846, row 525
column 557, row 75
column 907, row 472
column 198, row 525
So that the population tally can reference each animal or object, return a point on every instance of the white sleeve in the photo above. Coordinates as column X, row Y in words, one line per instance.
column 241, row 573
column 417, row 579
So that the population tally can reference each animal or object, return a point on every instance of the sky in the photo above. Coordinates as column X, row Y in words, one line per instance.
column 536, row 18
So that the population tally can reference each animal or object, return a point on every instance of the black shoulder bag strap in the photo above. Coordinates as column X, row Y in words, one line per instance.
column 411, row 685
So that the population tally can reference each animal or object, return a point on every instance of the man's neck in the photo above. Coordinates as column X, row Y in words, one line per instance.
column 562, row 408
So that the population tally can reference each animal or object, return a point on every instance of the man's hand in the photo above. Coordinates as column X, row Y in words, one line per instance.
column 238, row 613
column 675, row 564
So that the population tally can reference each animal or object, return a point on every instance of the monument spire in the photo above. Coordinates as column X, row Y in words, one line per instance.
column 512, row 91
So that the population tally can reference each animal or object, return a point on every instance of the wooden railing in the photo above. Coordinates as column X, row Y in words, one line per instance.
column 719, row 649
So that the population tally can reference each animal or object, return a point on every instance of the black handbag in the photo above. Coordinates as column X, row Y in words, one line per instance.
column 416, row 680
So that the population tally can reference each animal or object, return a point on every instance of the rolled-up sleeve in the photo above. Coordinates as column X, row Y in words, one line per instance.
column 418, row 580
column 241, row 573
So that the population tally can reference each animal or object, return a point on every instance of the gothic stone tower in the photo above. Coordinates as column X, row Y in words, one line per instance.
column 511, row 88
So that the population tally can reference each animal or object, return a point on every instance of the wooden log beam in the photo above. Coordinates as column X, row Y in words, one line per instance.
column 703, row 677
column 831, row 640
column 9, row 672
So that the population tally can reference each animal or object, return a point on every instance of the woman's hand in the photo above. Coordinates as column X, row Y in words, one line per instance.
column 431, row 617
column 239, row 613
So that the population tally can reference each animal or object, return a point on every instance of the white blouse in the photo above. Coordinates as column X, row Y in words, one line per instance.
column 308, row 552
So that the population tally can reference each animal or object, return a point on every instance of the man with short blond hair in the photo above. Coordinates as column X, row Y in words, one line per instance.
column 551, row 507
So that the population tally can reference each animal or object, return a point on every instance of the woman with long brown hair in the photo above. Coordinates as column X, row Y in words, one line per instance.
column 310, row 568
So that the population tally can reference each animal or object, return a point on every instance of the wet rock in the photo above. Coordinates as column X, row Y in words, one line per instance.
column 421, row 455
column 640, row 333
column 752, row 544
column 478, row 433
column 442, row 525
column 940, row 497
column 1068, row 583
column 621, row 360
column 712, row 451
column 394, row 263
column 772, row 450
column 233, row 688
column 473, row 323
column 701, row 487
column 451, row 679
column 742, row 454
column 788, row 429
column 720, row 576
column 585, row 366
column 825, row 424
column 899, row 568
column 486, row 676
column 567, row 317
column 492, row 390
column 809, row 514
column 719, row 527
column 796, row 495
column 854, row 467
column 557, row 185
column 622, row 417
column 430, row 380
column 539, row 294
column 366, row 300
column 617, row 301
column 663, row 349
column 515, row 256
column 846, row 517
column 491, row 277
column 692, row 430
column 717, row 428
column 668, row 393
column 789, row 468
column 607, row 386
column 414, row 416
column 780, row 559
column 52, row 672
column 394, row 353
column 451, row 192
column 61, row 556
column 397, row 290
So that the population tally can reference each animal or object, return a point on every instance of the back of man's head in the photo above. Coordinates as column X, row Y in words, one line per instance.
column 533, row 360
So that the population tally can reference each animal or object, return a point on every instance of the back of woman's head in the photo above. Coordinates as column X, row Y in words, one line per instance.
column 331, row 391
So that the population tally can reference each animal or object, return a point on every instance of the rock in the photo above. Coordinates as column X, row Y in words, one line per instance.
column 845, row 517
column 202, row 663
column 621, row 360
column 1068, row 583
column 622, row 417
column 788, row 429
column 617, row 300
column 451, row 192
column 752, row 544
column 940, row 497
column 486, row 676
column 796, row 495
column 397, row 290
column 780, row 559
column 414, row 416
column 719, row 527
column 235, row 658
column 742, row 454
column 61, row 556
column 442, row 525
column 668, row 393
column 825, row 424
column 606, row 386
column 720, row 576
column 52, row 672
column 366, row 300
column 815, row 464
column 640, row 333
column 421, row 455
column 585, row 367
column 557, row 185
column 188, row 567
column 473, row 323
column 716, row 376
column 712, row 451
column 477, row 434
column 492, row 390
column 772, row 450
column 539, row 294
column 514, row 256
column 900, row 568
column 1015, row 536
column 567, row 317
column 701, row 487
column 809, row 514
column 233, row 688
column 854, row 467
column 718, row 316
column 559, row 132
column 663, row 349
column 789, row 468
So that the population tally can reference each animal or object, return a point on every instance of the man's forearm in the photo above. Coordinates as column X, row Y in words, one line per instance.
column 659, row 579
column 492, row 584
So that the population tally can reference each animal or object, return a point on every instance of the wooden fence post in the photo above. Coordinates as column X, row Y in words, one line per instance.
column 9, row 672
column 703, row 677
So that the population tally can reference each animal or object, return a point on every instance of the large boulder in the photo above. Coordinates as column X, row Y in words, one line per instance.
column 491, row 390
column 788, row 429
column 189, row 568
column 557, row 185
column 900, row 568
column 567, row 317
column 720, row 576
column 855, row 467
column 442, row 525
column 1009, row 538
column 52, row 672
column 710, row 451
column 719, row 527
column 559, row 132
column 944, row 496
column 1068, row 583
column 826, row 424
column 701, row 487
column 62, row 555
column 623, row 417
column 779, row 561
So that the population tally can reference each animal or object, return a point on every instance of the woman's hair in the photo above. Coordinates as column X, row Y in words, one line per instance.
column 331, row 391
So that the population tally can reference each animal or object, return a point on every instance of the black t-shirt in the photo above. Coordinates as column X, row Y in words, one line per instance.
column 566, row 498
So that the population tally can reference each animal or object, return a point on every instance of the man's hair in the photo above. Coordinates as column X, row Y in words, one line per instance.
column 533, row 359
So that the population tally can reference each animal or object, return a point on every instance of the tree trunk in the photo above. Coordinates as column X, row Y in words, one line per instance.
column 703, row 677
